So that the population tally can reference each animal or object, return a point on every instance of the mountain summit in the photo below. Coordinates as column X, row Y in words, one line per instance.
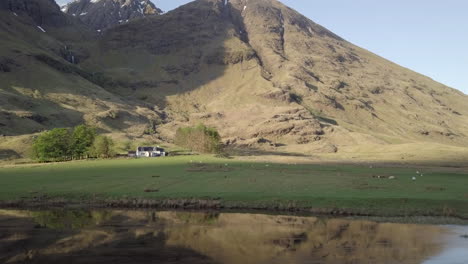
column 103, row 14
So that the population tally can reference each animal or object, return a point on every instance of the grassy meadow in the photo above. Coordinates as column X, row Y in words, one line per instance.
column 243, row 184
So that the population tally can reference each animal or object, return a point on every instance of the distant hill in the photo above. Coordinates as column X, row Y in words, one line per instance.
column 267, row 77
column 104, row 14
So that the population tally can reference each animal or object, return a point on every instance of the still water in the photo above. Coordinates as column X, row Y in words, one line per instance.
column 117, row 237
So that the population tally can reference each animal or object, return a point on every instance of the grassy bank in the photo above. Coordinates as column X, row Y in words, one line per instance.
column 240, row 184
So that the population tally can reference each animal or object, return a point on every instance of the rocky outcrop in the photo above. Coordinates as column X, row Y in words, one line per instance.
column 104, row 14
column 43, row 12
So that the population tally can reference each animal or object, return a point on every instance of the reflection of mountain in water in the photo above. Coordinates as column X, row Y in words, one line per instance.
column 243, row 238
column 178, row 237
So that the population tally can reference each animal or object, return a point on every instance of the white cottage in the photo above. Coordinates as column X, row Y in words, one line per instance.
column 148, row 152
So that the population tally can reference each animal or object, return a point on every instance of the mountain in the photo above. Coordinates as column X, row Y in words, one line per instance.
column 42, row 84
column 266, row 77
column 104, row 14
column 261, row 72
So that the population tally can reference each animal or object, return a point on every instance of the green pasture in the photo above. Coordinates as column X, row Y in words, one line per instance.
column 246, row 184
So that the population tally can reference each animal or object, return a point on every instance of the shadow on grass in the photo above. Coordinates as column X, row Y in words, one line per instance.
column 251, row 151
column 9, row 154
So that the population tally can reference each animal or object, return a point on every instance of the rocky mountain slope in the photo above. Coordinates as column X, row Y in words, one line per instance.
column 43, row 12
column 267, row 77
column 104, row 14
column 262, row 72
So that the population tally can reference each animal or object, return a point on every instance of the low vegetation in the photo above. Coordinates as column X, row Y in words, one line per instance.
column 199, row 138
column 62, row 144
column 225, row 183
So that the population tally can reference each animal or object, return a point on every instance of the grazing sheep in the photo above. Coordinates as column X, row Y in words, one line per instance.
column 391, row 177
column 414, row 178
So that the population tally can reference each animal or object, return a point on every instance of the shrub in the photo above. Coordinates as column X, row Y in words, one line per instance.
column 151, row 128
column 103, row 147
column 53, row 145
column 199, row 138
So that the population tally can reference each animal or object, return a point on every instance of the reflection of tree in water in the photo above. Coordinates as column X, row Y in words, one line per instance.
column 184, row 237
column 93, row 237
column 70, row 219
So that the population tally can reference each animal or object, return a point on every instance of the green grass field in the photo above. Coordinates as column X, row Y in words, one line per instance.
column 246, row 185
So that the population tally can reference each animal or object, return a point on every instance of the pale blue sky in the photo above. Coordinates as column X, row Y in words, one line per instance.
column 427, row 36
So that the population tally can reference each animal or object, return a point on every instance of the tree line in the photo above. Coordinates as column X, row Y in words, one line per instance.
column 62, row 144
column 82, row 142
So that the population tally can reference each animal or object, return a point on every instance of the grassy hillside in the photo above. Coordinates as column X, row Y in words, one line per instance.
column 244, row 184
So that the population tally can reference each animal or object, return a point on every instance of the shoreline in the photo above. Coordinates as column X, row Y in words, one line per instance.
column 200, row 205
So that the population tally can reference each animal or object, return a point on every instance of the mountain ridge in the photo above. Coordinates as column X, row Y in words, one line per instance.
column 104, row 14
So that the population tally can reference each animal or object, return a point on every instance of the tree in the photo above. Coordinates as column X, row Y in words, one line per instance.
column 82, row 139
column 199, row 138
column 127, row 145
column 103, row 147
column 54, row 145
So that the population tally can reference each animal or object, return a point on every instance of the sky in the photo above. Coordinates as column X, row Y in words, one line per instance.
column 427, row 36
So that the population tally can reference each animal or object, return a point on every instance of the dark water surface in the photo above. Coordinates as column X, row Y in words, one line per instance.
column 116, row 237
